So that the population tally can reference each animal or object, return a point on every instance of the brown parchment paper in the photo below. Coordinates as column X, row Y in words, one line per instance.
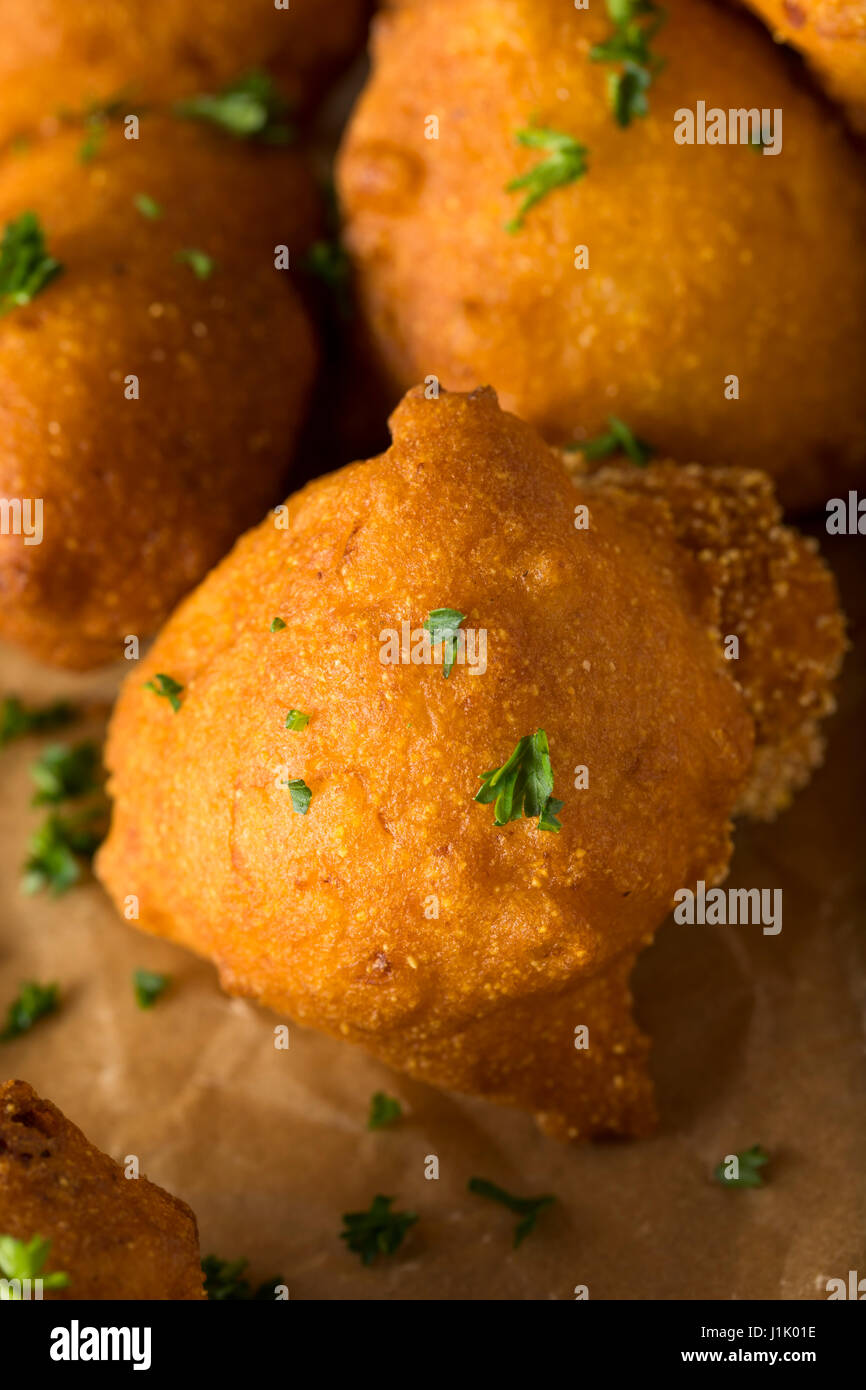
column 757, row 1039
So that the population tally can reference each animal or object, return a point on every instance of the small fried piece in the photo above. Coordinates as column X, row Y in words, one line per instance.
column 662, row 280
column 57, row 58
column 394, row 912
column 832, row 35
column 115, row 1237
column 152, row 411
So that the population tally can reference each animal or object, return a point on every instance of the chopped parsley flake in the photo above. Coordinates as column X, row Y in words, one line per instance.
column 297, row 720
column 201, row 264
column 21, row 1260
column 34, row 1002
column 300, row 794
column 59, row 850
column 62, row 772
column 25, row 265
column 378, row 1231
column 749, row 1165
column 564, row 164
column 636, row 24
column 443, row 624
column 16, row 720
column 167, row 688
column 148, row 986
column 224, row 1282
column 148, row 207
column 527, row 1208
column 384, row 1111
column 523, row 786
column 618, row 439
column 249, row 109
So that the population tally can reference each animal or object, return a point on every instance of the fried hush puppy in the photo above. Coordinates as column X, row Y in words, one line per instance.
column 112, row 1237
column 639, row 287
column 59, row 56
column 307, row 818
column 150, row 392
column 832, row 35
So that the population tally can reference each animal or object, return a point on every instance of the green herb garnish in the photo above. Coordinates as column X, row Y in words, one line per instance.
column 277, row 625
column 148, row 986
column 34, row 1002
column 528, row 1208
column 565, row 162
column 636, row 24
column 301, row 795
column 16, row 720
column 750, row 1163
column 329, row 262
column 22, row 1260
column 201, row 264
column 224, row 1282
column 91, row 144
column 148, row 207
column 378, row 1231
column 618, row 439
column 523, row 786
column 443, row 624
column 25, row 266
column 384, row 1111
column 297, row 720
column 60, row 848
column 250, row 109
column 62, row 773
column 167, row 688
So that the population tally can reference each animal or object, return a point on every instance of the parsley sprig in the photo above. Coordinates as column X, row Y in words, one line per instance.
column 149, row 985
column 250, row 108
column 565, row 163
column 167, row 688
column 34, row 1002
column 523, row 786
column 378, row 1231
column 636, row 24
column 20, row 1259
column 16, row 720
column 225, row 1282
column 384, row 1110
column 749, row 1162
column 617, row 439
column 443, row 624
column 60, row 849
column 527, row 1208
column 63, row 773
column 25, row 265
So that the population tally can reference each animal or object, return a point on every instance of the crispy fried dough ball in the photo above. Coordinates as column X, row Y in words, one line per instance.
column 57, row 55
column 114, row 1237
column 141, row 496
column 394, row 912
column 832, row 35
column 704, row 262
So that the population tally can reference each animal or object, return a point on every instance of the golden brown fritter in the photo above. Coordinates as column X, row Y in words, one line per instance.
column 57, row 56
column 141, row 496
column 115, row 1237
column 832, row 35
column 395, row 913
column 704, row 261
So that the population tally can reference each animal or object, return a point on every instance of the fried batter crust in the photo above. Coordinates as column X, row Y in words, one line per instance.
column 832, row 35
column 607, row 638
column 115, row 1237
column 705, row 262
column 141, row 497
column 58, row 56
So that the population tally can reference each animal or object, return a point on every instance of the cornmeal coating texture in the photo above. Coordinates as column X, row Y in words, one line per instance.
column 58, row 56
column 832, row 35
column 606, row 638
column 704, row 262
column 115, row 1237
column 141, row 496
